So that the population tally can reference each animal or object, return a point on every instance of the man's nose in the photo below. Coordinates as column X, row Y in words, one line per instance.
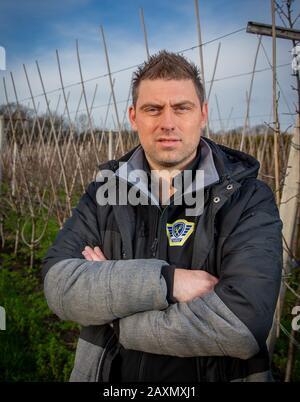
column 167, row 122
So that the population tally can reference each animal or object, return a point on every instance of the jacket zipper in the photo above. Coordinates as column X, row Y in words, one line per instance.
column 153, row 248
column 156, row 241
column 154, row 244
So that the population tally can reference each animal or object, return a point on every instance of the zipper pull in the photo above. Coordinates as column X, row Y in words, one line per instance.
column 154, row 247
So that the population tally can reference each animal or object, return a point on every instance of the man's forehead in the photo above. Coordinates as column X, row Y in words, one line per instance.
column 162, row 91
column 166, row 83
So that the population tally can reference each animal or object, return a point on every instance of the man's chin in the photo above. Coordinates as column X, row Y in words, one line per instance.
column 169, row 163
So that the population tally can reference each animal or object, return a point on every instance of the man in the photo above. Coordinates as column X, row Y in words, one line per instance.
column 165, row 292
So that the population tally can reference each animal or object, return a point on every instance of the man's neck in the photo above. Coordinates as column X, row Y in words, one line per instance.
column 164, row 175
column 172, row 170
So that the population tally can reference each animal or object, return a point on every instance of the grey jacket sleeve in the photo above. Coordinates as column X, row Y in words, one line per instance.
column 98, row 292
column 235, row 319
column 92, row 292
column 201, row 327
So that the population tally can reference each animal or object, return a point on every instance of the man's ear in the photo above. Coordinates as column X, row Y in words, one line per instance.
column 204, row 114
column 132, row 117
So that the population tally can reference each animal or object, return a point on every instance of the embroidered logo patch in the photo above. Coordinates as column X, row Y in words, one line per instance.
column 179, row 231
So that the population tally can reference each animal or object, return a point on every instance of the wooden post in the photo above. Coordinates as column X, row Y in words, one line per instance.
column 275, row 106
column 145, row 32
column 219, row 115
column 266, row 29
column 288, row 213
column 290, row 194
column 14, row 169
column 110, row 145
column 214, row 72
column 120, row 140
column 201, row 58
column 248, row 98
column 200, row 45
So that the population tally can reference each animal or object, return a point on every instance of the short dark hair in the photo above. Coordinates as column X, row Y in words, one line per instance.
column 168, row 66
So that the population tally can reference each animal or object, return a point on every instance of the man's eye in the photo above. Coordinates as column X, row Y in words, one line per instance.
column 152, row 110
column 181, row 108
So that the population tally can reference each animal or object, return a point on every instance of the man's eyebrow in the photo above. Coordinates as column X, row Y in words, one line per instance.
column 184, row 102
column 157, row 105
column 145, row 105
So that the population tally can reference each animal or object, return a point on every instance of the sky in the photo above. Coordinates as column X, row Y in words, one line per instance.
column 33, row 30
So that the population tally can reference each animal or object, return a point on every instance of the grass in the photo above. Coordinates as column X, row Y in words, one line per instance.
column 36, row 345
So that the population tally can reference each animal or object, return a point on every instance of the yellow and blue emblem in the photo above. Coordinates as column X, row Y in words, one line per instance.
column 179, row 231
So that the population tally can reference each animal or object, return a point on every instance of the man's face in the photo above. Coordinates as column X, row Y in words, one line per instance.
column 168, row 118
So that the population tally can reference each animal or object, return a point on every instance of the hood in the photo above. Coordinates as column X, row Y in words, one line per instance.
column 230, row 162
column 217, row 161
column 134, row 161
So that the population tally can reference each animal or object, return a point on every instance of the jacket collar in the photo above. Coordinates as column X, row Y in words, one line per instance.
column 233, row 163
column 136, row 161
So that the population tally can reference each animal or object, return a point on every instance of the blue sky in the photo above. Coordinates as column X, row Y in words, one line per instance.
column 32, row 30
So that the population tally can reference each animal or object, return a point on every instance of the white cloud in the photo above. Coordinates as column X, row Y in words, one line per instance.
column 236, row 56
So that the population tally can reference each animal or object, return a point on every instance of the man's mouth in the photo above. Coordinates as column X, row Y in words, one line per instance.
column 168, row 140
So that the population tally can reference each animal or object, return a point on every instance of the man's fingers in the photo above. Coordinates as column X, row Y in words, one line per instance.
column 215, row 280
column 93, row 254
column 99, row 253
column 87, row 255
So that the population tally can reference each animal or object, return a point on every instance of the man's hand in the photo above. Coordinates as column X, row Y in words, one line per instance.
column 190, row 283
column 93, row 254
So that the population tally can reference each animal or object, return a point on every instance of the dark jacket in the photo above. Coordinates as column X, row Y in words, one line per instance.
column 237, row 238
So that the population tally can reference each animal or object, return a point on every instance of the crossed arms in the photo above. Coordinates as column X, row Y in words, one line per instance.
column 229, row 317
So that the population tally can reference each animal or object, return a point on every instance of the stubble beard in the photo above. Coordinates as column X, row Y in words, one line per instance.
column 169, row 163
